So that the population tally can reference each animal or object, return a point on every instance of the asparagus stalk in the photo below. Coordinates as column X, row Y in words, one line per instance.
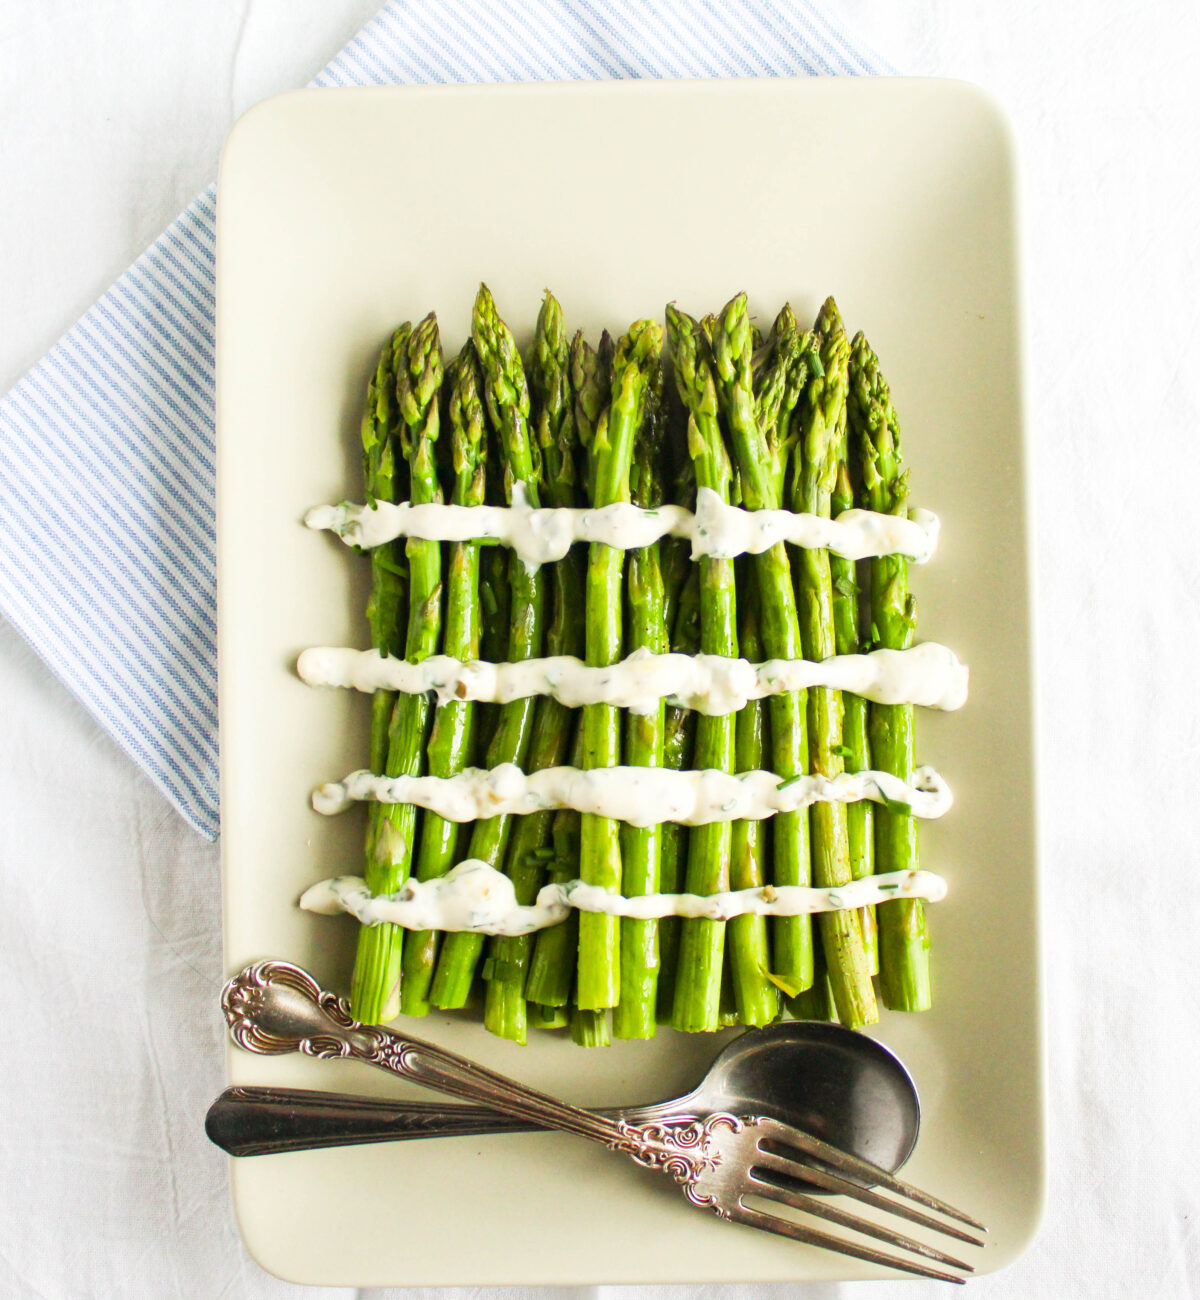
column 611, row 454
column 589, row 1028
column 756, row 997
column 678, row 743
column 417, row 364
column 847, row 640
column 507, row 397
column 681, row 612
column 727, row 1008
column 675, row 553
column 387, row 619
column 813, row 479
column 450, row 742
column 495, row 595
column 386, row 615
column 544, row 1017
column 816, row 1002
column 552, row 968
column 495, row 601
column 591, row 391
column 529, row 848
column 782, row 369
column 701, row 947
column 761, row 440
column 875, row 429
column 645, row 734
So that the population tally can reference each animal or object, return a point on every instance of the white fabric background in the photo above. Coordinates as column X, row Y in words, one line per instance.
column 111, row 117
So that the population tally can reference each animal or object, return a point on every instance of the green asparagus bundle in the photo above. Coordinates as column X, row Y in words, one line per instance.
column 814, row 474
column 702, row 942
column 903, row 938
column 610, row 453
column 507, row 398
column 451, row 740
column 801, row 419
column 418, row 370
column 529, row 848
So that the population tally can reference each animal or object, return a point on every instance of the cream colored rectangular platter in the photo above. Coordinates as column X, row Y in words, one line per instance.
column 342, row 212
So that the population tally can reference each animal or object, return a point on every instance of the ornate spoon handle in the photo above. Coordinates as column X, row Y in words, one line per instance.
column 262, row 1121
column 273, row 1007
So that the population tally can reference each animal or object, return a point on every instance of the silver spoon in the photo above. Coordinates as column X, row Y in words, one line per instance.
column 837, row 1085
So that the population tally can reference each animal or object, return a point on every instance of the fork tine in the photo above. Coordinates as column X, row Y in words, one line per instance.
column 859, row 1168
column 813, row 1237
column 824, row 1210
column 802, row 1169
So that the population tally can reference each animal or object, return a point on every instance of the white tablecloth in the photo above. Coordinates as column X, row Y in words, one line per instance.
column 111, row 118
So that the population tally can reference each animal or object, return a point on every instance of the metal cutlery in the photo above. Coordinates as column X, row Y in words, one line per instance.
column 835, row 1084
column 729, row 1164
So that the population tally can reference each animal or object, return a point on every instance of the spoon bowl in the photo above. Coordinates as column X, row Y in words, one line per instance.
column 834, row 1083
column 840, row 1086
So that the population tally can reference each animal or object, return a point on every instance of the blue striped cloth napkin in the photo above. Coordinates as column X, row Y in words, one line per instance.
column 107, row 536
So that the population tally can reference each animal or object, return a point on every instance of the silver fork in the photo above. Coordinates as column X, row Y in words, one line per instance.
column 721, row 1161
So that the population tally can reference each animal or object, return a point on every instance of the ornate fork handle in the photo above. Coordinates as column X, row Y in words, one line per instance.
column 273, row 1007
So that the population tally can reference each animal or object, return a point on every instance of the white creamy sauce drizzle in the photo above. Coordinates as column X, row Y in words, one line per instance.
column 641, row 796
column 474, row 896
column 541, row 536
column 928, row 674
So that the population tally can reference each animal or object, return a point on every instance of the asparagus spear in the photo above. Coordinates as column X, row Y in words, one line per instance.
column 755, row 996
column 701, row 947
column 847, row 640
column 552, row 969
column 507, row 396
column 679, row 741
column 387, row 618
column 495, row 595
column 554, row 420
column 417, row 363
column 727, row 1007
column 816, row 1002
column 814, row 475
column 450, row 742
column 591, row 390
column 589, row 1028
column 529, row 848
column 903, row 938
column 544, row 1017
column 386, row 615
column 611, row 454
column 675, row 553
column 635, row 1013
column 495, row 601
column 782, row 369
column 761, row 442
